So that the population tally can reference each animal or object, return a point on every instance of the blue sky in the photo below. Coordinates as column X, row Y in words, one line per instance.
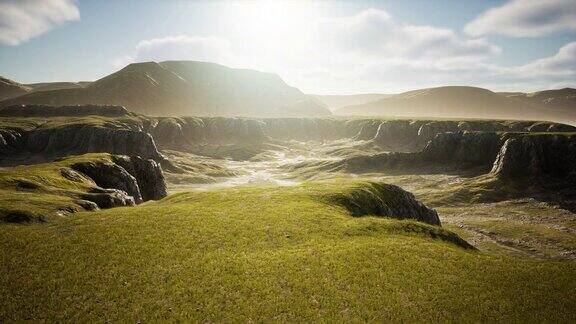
column 321, row 47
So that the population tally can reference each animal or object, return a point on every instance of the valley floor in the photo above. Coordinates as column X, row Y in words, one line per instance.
column 518, row 227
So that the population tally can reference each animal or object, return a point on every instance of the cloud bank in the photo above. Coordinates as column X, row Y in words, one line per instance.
column 371, row 52
column 526, row 18
column 374, row 33
column 21, row 20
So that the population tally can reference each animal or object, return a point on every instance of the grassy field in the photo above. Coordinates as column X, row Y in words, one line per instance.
column 265, row 254
column 40, row 191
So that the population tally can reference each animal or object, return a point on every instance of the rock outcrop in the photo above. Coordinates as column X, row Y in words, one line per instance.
column 398, row 135
column 86, row 138
column 445, row 152
column 148, row 174
column 467, row 149
column 536, row 156
column 125, row 181
column 10, row 141
column 111, row 176
column 379, row 199
column 187, row 132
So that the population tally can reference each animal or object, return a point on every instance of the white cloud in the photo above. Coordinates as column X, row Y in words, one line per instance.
column 374, row 33
column 369, row 52
column 526, row 18
column 21, row 20
column 561, row 64
column 211, row 49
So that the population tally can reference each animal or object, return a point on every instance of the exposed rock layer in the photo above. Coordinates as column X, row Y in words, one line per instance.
column 534, row 156
column 126, row 181
column 381, row 199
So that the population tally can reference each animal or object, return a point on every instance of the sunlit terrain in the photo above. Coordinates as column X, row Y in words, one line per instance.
column 288, row 161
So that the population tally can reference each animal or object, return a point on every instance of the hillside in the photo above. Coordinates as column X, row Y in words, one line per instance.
column 335, row 102
column 47, row 86
column 463, row 102
column 10, row 89
column 186, row 88
column 559, row 100
column 216, row 255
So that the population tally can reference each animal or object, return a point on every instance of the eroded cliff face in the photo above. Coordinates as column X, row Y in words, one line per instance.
column 445, row 152
column 80, row 139
column 148, row 174
column 467, row 149
column 536, row 156
column 126, row 181
column 182, row 133
column 113, row 129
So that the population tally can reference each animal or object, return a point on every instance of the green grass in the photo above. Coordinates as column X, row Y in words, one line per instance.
column 40, row 192
column 264, row 254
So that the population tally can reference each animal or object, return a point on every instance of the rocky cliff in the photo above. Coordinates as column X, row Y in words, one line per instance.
column 124, row 181
column 75, row 139
column 445, row 152
column 79, row 139
column 536, row 156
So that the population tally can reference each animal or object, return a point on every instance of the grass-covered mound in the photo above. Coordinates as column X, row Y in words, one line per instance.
column 265, row 254
column 77, row 183
column 41, row 191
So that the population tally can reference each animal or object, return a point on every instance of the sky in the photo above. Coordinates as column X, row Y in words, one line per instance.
column 323, row 47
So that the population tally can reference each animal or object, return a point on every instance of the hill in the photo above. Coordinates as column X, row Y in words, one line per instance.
column 47, row 86
column 216, row 255
column 10, row 89
column 465, row 102
column 335, row 102
column 186, row 88
column 559, row 100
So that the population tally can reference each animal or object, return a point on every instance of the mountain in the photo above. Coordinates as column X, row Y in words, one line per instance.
column 468, row 102
column 47, row 86
column 559, row 100
column 186, row 88
column 10, row 89
column 335, row 102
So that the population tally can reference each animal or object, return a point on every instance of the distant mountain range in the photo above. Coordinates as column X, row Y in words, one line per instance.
column 470, row 102
column 206, row 89
column 335, row 102
column 178, row 88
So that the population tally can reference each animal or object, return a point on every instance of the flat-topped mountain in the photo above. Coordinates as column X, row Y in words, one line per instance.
column 186, row 88
column 469, row 102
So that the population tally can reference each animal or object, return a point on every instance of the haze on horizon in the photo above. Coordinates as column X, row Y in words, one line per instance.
column 323, row 47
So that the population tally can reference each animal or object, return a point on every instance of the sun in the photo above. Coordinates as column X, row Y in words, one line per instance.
column 270, row 23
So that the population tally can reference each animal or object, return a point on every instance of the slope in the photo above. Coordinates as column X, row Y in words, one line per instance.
column 186, row 88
